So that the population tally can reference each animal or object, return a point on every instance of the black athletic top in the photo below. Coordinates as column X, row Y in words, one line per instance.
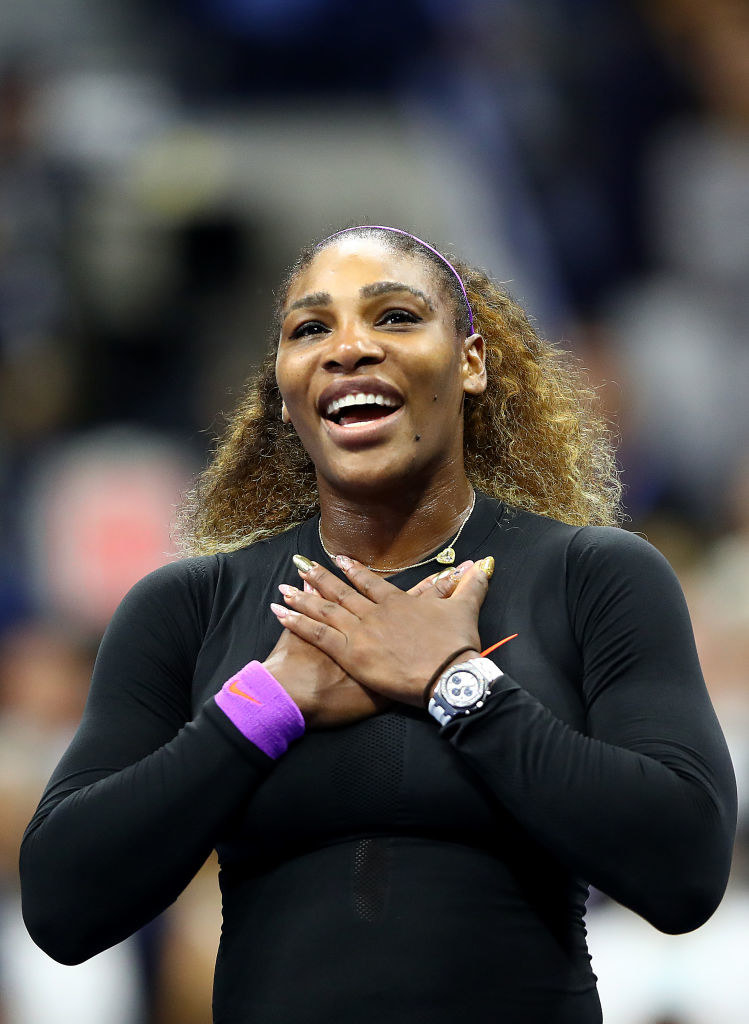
column 392, row 870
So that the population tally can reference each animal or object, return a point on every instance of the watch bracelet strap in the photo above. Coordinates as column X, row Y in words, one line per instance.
column 439, row 713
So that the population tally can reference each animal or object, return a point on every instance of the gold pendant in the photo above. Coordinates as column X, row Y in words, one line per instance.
column 446, row 556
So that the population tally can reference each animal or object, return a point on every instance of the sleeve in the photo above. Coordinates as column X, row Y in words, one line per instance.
column 643, row 804
column 141, row 795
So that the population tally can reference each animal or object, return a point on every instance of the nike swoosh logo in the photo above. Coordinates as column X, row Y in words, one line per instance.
column 234, row 688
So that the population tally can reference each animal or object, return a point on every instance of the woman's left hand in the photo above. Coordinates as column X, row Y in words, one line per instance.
column 390, row 641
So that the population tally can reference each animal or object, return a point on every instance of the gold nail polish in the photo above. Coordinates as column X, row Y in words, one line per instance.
column 303, row 564
column 486, row 565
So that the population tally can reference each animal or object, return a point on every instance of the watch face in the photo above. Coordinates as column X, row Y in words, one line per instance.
column 462, row 689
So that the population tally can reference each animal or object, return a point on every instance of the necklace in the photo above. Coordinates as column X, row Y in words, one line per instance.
column 445, row 557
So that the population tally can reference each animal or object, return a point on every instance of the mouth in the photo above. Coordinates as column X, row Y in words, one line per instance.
column 360, row 407
column 358, row 413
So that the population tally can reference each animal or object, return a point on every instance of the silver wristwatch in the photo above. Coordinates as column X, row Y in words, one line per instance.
column 463, row 688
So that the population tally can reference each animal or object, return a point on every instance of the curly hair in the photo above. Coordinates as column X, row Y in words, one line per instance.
column 535, row 439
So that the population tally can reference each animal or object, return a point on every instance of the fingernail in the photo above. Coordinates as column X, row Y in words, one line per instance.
column 308, row 588
column 303, row 564
column 281, row 612
column 486, row 565
column 458, row 571
column 286, row 590
column 344, row 562
column 442, row 575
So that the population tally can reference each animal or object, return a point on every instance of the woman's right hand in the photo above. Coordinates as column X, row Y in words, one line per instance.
column 322, row 691
column 325, row 694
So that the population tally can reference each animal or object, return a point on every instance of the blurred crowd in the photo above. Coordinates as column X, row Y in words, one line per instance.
column 162, row 161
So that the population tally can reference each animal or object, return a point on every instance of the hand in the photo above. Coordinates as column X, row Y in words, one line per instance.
column 389, row 641
column 325, row 693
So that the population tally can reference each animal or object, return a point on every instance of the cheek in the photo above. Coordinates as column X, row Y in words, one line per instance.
column 290, row 379
column 442, row 387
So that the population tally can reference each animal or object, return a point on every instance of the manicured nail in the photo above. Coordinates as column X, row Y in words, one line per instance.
column 454, row 573
column 286, row 590
column 344, row 562
column 486, row 565
column 303, row 564
column 308, row 588
column 281, row 612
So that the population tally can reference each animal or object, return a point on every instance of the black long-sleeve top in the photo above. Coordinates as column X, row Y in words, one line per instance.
column 390, row 869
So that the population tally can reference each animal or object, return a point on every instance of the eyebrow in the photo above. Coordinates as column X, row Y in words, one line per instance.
column 368, row 291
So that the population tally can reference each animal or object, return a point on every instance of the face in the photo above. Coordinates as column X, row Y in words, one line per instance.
column 371, row 370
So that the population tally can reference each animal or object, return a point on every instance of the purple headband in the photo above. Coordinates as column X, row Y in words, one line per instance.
column 399, row 231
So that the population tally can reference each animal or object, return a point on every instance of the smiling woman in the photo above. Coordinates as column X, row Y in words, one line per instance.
column 406, row 826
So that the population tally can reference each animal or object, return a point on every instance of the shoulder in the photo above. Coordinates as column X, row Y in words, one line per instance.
column 200, row 575
column 586, row 546
column 541, row 535
column 175, row 596
column 614, row 576
column 596, row 562
column 184, row 575
column 611, row 548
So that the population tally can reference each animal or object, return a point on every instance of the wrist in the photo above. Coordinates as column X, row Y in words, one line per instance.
column 256, row 703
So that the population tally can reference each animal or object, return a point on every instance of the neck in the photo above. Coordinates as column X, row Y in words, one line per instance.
column 394, row 529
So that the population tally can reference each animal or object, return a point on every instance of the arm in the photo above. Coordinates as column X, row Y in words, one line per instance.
column 142, row 794
column 643, row 805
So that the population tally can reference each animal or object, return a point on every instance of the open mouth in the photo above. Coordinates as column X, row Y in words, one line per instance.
column 360, row 408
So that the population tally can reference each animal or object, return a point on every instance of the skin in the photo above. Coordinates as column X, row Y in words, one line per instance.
column 327, row 694
column 388, row 496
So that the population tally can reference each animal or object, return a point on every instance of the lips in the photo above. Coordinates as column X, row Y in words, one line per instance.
column 360, row 411
column 363, row 400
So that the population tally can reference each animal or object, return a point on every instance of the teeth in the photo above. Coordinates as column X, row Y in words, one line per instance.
column 358, row 399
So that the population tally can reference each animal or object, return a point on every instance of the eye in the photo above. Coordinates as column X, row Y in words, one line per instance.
column 395, row 317
column 309, row 327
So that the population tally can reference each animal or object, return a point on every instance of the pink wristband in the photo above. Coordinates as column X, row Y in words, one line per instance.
column 261, row 709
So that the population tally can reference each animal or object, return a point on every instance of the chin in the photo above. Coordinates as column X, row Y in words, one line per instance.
column 370, row 473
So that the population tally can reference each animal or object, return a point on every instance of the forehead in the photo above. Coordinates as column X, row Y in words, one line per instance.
column 348, row 263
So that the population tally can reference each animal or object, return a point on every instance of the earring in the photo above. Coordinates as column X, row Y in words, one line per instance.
column 285, row 413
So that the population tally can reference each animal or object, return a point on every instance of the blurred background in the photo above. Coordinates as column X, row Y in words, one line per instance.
column 162, row 160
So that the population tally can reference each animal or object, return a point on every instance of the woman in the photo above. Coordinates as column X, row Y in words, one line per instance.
column 384, row 865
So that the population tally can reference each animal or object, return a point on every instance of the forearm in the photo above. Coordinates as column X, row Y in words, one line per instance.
column 103, row 858
column 652, row 830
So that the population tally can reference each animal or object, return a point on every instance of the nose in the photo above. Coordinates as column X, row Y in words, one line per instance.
column 351, row 347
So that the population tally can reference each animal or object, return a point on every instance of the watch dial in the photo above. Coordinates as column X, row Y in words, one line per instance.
column 463, row 689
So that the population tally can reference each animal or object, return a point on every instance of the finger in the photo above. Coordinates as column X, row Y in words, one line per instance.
column 447, row 580
column 474, row 584
column 322, row 636
column 445, row 583
column 423, row 585
column 314, row 606
column 330, row 586
column 366, row 582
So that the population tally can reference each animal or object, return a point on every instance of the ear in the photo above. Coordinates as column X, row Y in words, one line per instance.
column 285, row 413
column 473, row 366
